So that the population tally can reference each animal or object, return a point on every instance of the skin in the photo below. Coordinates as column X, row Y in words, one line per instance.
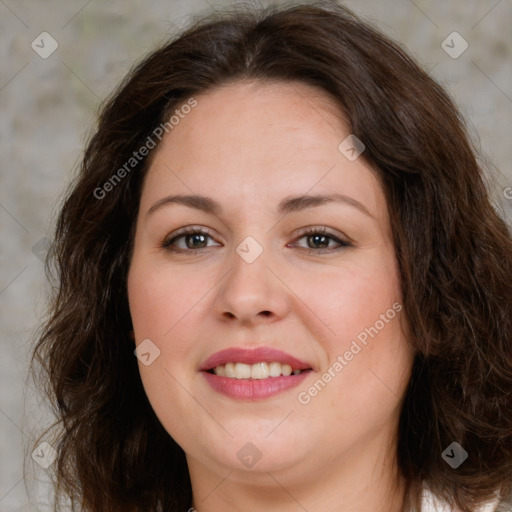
column 248, row 145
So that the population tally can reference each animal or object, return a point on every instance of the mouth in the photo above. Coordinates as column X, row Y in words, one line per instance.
column 253, row 374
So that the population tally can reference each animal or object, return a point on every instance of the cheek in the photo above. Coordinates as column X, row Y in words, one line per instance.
column 170, row 306
column 346, row 300
column 161, row 303
column 162, row 306
column 358, row 317
column 161, row 299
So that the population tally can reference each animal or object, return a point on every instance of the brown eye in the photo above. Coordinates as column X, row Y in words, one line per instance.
column 187, row 240
column 318, row 240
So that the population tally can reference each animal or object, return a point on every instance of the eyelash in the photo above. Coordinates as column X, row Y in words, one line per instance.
column 167, row 243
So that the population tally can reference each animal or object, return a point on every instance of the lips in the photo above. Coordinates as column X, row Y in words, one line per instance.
column 229, row 372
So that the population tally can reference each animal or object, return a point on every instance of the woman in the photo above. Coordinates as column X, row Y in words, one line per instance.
column 281, row 216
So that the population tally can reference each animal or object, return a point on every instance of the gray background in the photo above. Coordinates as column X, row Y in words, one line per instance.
column 48, row 107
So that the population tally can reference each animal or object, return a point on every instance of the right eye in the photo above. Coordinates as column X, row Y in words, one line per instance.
column 194, row 239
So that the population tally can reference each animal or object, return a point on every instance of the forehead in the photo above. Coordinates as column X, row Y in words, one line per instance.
column 265, row 115
column 256, row 140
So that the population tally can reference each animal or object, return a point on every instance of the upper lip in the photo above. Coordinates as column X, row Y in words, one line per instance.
column 252, row 356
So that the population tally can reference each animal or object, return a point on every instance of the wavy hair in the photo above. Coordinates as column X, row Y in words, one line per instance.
column 453, row 248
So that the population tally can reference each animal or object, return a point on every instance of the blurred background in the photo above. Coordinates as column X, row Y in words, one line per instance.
column 59, row 60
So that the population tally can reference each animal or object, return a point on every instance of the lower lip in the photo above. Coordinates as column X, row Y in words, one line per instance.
column 253, row 389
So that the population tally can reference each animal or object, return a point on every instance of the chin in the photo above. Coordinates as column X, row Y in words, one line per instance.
column 258, row 452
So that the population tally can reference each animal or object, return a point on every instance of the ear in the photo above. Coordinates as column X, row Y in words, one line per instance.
column 132, row 335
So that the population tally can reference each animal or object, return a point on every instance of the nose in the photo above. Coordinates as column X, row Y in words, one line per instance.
column 252, row 293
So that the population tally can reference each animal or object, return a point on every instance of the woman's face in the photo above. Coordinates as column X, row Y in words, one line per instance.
column 226, row 313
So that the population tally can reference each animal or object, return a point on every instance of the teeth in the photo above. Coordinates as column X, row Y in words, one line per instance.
column 230, row 370
column 220, row 371
column 242, row 371
column 261, row 370
column 286, row 370
column 275, row 369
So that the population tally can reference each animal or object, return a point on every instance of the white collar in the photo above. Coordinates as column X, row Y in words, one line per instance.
column 432, row 503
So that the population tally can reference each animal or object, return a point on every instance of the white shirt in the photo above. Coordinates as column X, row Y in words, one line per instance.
column 432, row 503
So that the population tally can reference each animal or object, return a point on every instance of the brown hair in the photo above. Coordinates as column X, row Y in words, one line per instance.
column 454, row 253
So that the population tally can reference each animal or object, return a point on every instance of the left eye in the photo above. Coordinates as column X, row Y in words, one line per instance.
column 321, row 236
column 195, row 239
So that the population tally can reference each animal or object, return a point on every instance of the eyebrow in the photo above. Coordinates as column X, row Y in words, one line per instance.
column 287, row 205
